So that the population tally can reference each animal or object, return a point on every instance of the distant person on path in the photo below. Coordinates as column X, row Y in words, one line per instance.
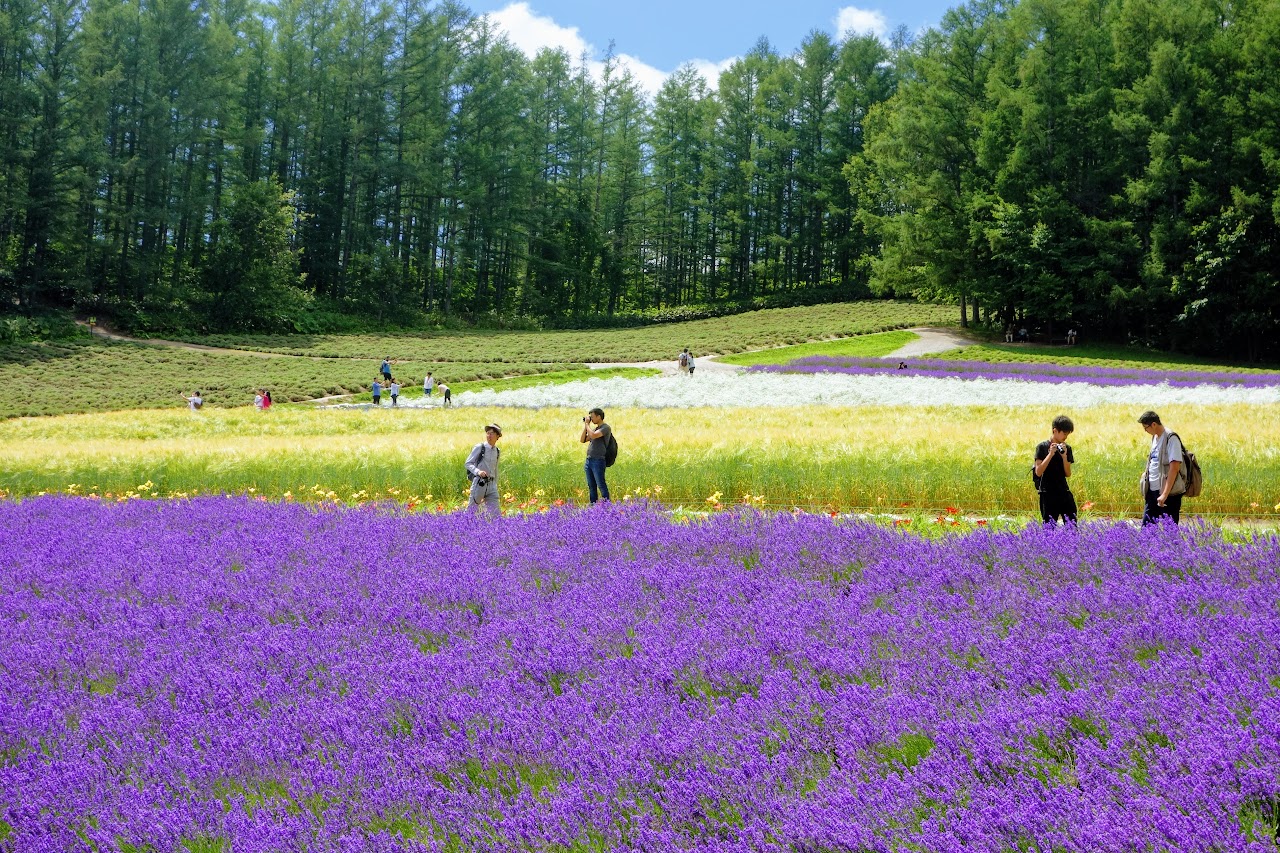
column 1008, row 334
column 428, row 385
column 377, row 393
column 597, row 432
column 482, row 471
column 683, row 360
column 1050, row 471
column 395, row 392
column 1164, row 481
column 257, row 399
column 1023, row 335
column 1071, row 336
column 386, row 369
column 448, row 395
column 194, row 402
column 266, row 399
column 690, row 364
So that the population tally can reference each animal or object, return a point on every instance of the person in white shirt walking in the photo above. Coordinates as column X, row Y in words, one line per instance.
column 1163, row 481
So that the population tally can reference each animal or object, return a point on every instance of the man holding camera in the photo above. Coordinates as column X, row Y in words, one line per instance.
column 1051, row 470
column 597, row 432
column 482, row 471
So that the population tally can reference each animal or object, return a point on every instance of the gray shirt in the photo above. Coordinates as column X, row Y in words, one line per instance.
column 1165, row 448
column 484, row 457
column 596, row 446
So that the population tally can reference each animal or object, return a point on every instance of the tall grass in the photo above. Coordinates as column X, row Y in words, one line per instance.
column 873, row 457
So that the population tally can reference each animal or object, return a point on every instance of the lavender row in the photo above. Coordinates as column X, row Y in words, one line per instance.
column 226, row 674
column 1032, row 372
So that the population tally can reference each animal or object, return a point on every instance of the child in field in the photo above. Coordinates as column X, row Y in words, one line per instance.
column 377, row 392
column 428, row 385
column 395, row 392
column 266, row 399
column 257, row 400
column 448, row 395
column 1050, row 471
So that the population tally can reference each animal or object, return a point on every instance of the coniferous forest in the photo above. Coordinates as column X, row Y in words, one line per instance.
column 234, row 165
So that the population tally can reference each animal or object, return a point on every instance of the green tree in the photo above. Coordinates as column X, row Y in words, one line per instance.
column 253, row 279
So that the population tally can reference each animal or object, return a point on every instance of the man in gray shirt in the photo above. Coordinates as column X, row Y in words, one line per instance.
column 482, row 470
column 1163, row 481
column 597, row 432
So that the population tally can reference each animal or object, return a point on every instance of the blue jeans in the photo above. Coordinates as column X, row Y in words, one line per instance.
column 595, row 479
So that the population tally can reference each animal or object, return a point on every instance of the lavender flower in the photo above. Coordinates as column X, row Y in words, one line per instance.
column 266, row 676
column 1029, row 372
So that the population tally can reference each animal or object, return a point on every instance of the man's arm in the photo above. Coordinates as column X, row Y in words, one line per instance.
column 1042, row 462
column 473, row 462
column 1174, row 467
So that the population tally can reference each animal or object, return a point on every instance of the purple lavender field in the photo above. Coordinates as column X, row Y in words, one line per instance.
column 224, row 674
column 1027, row 372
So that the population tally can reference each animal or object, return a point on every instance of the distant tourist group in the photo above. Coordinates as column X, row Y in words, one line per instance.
column 1170, row 474
column 1020, row 335
column 385, row 381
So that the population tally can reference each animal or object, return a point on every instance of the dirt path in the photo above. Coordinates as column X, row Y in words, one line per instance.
column 99, row 332
column 931, row 341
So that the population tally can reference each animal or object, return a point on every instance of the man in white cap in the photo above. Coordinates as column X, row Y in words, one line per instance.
column 482, row 471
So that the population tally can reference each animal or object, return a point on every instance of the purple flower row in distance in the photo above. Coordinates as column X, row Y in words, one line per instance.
column 224, row 674
column 1027, row 372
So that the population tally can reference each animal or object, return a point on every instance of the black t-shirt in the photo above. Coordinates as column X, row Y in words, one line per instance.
column 1054, row 478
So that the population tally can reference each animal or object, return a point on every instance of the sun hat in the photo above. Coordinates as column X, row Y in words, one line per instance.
column 493, row 427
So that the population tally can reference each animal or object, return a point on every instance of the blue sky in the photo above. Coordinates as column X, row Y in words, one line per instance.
column 654, row 37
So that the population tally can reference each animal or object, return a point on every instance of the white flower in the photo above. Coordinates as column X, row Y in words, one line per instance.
column 778, row 389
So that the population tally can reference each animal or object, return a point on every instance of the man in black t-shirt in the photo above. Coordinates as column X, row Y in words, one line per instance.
column 1051, row 470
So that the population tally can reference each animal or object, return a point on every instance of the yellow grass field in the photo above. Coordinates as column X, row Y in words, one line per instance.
column 886, row 458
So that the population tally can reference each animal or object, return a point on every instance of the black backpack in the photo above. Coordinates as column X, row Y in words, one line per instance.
column 470, row 476
column 610, row 451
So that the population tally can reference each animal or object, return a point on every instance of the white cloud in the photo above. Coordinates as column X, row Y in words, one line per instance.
column 650, row 79
column 531, row 32
column 855, row 21
column 711, row 71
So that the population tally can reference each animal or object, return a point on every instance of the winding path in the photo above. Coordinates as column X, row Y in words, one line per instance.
column 98, row 331
column 929, row 340
column 933, row 340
